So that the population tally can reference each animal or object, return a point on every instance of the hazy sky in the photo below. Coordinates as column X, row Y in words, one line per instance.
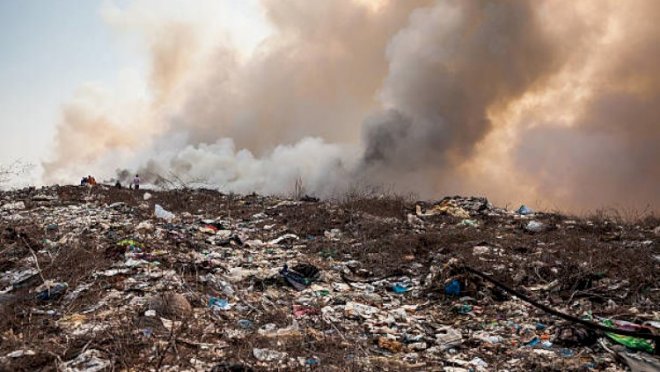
column 48, row 49
column 51, row 49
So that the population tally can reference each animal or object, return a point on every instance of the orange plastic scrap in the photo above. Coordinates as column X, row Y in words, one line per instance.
column 391, row 345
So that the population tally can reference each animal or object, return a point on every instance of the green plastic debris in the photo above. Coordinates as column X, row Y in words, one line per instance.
column 629, row 341
column 469, row 222
column 328, row 253
column 463, row 309
column 129, row 243
column 322, row 293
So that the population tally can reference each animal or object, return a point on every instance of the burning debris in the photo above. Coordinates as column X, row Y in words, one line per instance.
column 97, row 278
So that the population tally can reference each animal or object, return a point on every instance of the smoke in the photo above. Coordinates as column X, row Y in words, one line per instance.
column 449, row 67
column 317, row 75
column 323, row 168
column 607, row 153
column 434, row 97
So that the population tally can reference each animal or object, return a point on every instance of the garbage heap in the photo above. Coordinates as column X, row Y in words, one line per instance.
column 104, row 279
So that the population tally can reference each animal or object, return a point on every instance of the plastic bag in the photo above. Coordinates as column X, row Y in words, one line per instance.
column 629, row 341
column 163, row 214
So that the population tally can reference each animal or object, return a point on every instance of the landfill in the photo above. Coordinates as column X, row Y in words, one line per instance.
column 96, row 279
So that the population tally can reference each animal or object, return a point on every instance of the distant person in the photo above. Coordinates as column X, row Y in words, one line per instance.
column 118, row 185
column 91, row 180
column 136, row 182
column 83, row 181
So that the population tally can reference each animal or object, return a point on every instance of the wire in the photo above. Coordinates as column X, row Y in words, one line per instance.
column 547, row 309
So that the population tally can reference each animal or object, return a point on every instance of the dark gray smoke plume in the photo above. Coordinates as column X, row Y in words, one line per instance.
column 548, row 103
column 447, row 68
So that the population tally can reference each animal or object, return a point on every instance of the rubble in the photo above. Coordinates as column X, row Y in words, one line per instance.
column 13, row 206
column 106, row 278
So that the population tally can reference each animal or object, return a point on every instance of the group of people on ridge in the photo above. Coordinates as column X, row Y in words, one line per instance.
column 91, row 181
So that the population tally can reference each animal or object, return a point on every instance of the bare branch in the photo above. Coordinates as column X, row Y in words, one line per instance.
column 13, row 169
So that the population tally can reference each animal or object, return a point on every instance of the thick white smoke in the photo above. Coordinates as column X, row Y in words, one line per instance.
column 538, row 102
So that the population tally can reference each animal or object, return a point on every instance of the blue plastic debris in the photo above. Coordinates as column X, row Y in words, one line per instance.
column 463, row 309
column 219, row 303
column 566, row 353
column 52, row 293
column 453, row 288
column 400, row 288
column 300, row 276
column 533, row 342
column 245, row 324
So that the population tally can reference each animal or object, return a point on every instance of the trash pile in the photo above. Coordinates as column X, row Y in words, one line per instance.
column 105, row 278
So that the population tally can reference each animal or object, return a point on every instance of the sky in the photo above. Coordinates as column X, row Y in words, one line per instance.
column 48, row 49
column 51, row 50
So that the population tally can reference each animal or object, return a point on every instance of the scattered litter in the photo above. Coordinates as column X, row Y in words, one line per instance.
column 570, row 335
column 334, row 234
column 525, row 210
column 300, row 276
column 488, row 338
column 390, row 345
column 355, row 310
column 163, row 214
column 88, row 361
column 636, row 361
column 633, row 343
column 267, row 355
column 478, row 362
column 400, row 288
column 448, row 338
column 300, row 311
column 53, row 292
column 534, row 226
column 453, row 288
column 365, row 285
column 219, row 304
column 13, row 206
column 469, row 222
column 446, row 206
column 21, row 353
column 480, row 249
column 285, row 237
column 245, row 324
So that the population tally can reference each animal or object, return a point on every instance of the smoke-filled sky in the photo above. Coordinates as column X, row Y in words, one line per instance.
column 555, row 104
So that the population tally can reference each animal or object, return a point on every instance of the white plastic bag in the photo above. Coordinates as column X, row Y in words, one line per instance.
column 163, row 214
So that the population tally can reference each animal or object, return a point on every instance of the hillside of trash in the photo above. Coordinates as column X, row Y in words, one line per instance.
column 99, row 279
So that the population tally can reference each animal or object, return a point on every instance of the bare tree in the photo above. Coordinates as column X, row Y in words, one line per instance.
column 172, row 181
column 12, row 170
